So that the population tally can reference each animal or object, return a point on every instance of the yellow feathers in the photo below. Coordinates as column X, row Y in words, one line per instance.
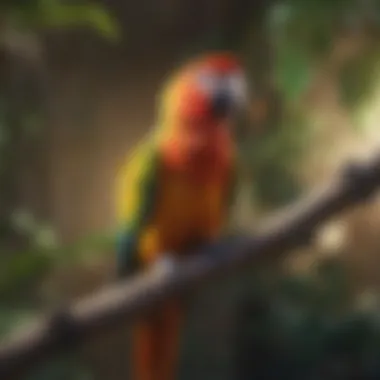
column 129, row 178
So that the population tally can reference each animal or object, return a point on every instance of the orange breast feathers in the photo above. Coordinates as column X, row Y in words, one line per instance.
column 188, row 212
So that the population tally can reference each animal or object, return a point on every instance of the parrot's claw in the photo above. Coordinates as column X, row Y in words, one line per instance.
column 166, row 264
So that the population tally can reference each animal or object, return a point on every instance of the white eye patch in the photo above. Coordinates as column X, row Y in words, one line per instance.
column 235, row 84
column 209, row 82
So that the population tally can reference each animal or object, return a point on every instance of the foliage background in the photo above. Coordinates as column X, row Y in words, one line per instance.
column 77, row 85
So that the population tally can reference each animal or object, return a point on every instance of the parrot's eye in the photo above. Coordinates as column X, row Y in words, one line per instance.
column 234, row 84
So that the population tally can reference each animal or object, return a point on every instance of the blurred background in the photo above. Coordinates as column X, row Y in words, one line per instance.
column 77, row 90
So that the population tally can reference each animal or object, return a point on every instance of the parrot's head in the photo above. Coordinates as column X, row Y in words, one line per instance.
column 199, row 105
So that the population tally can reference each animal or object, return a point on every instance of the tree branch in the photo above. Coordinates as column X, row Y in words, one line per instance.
column 123, row 302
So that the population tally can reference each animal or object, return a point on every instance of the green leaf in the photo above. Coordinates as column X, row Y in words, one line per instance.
column 293, row 72
column 12, row 318
column 58, row 14
column 272, row 159
column 275, row 186
column 357, row 79
column 19, row 272
column 89, row 247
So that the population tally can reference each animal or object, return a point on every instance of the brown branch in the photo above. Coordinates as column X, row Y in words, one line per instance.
column 123, row 302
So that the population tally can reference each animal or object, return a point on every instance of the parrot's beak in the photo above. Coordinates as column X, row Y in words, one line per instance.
column 226, row 102
column 222, row 104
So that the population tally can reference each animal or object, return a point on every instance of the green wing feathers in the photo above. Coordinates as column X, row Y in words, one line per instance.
column 136, row 200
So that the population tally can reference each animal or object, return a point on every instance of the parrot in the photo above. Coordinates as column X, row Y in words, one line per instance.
column 174, row 192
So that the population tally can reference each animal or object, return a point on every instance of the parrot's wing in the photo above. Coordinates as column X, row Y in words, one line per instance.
column 136, row 199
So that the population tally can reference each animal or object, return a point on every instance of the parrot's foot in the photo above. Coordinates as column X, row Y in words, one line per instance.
column 165, row 264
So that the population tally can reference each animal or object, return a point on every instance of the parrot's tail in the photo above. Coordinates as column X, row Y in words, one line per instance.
column 155, row 346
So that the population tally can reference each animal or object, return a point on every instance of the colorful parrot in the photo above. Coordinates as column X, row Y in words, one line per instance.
column 174, row 192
